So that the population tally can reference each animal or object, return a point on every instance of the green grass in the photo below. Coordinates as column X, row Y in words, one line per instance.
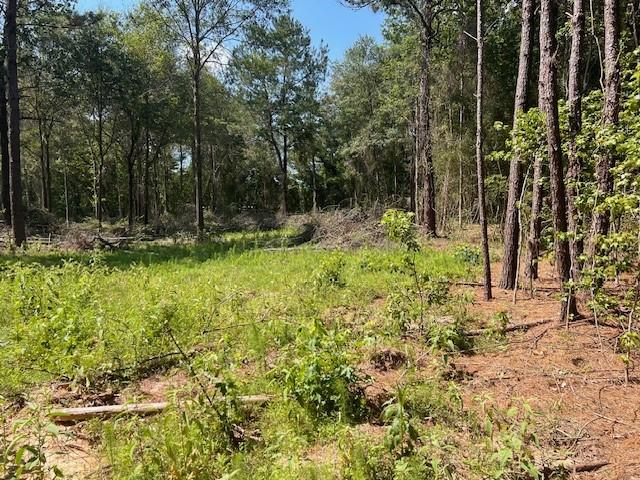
column 292, row 323
column 85, row 316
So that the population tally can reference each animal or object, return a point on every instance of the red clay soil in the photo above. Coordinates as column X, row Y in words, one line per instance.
column 572, row 378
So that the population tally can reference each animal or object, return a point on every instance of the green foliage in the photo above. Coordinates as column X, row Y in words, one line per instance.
column 498, row 322
column 447, row 336
column 468, row 254
column 400, row 227
column 617, row 254
column 402, row 434
column 629, row 343
column 320, row 376
column 331, row 272
column 509, row 441
column 22, row 446
column 250, row 325
column 179, row 445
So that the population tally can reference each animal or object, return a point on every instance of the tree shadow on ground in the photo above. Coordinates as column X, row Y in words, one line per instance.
column 165, row 251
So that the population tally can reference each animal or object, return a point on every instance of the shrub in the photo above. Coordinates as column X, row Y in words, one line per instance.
column 321, row 378
column 468, row 254
column 331, row 272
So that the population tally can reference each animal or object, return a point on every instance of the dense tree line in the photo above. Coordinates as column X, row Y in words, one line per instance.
column 181, row 107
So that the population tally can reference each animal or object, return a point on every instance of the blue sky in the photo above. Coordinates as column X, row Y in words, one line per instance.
column 327, row 20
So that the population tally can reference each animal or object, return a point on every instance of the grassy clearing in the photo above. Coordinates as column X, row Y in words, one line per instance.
column 299, row 324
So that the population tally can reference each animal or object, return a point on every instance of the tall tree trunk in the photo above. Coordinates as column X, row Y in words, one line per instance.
column 634, row 21
column 415, row 165
column 284, row 206
column 314, row 185
column 512, row 223
column 460, row 164
column 575, row 125
column 15, row 174
column 601, row 219
column 98, row 172
column 147, row 168
column 47, row 168
column 197, row 139
column 4, row 142
column 549, row 106
column 66, row 193
column 212, row 159
column 131, row 165
column 482, row 210
column 131, row 199
column 535, row 224
column 425, row 152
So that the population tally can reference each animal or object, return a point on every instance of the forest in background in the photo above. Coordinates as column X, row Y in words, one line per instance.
column 107, row 109
column 344, row 270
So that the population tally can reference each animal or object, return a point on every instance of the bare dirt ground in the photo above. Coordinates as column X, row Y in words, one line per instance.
column 572, row 378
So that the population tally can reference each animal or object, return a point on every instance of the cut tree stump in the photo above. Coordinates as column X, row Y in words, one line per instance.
column 73, row 415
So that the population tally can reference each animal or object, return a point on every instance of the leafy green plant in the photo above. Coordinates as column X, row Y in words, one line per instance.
column 509, row 440
column 436, row 401
column 331, row 271
column 447, row 336
column 498, row 322
column 402, row 434
column 400, row 227
column 468, row 254
column 22, row 447
column 320, row 376
column 629, row 343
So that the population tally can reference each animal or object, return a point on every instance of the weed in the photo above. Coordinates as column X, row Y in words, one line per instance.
column 320, row 376
column 629, row 342
column 402, row 434
column 331, row 272
column 508, row 440
column 498, row 323
column 22, row 447
column 468, row 254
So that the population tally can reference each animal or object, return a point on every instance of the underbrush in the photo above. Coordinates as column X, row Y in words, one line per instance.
column 240, row 319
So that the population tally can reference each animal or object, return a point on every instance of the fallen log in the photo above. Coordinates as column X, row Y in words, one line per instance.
column 79, row 414
column 572, row 467
column 510, row 328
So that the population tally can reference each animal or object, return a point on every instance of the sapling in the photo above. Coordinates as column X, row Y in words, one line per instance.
column 400, row 227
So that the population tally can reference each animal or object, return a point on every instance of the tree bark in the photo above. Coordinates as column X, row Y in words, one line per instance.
column 548, row 98
column 284, row 206
column 212, row 158
column 314, row 185
column 634, row 21
column 15, row 174
column 131, row 164
column 45, row 164
column 535, row 224
column 512, row 223
column 575, row 125
column 98, row 168
column 601, row 218
column 146, row 179
column 131, row 187
column 479, row 155
column 425, row 153
column 4, row 143
column 197, row 138
column 460, row 164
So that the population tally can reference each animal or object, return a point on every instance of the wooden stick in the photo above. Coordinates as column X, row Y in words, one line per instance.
column 573, row 467
column 511, row 328
column 72, row 415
